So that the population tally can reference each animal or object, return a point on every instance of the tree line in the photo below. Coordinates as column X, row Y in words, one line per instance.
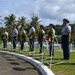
column 12, row 20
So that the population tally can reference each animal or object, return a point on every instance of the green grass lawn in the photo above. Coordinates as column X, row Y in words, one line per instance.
column 66, row 68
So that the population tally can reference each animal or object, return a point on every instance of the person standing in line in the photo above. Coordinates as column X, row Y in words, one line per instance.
column 51, row 35
column 66, row 36
column 32, row 36
column 5, row 38
column 22, row 37
column 14, row 36
column 41, row 34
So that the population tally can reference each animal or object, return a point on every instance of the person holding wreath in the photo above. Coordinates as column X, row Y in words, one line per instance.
column 22, row 37
column 41, row 34
column 5, row 38
column 50, row 38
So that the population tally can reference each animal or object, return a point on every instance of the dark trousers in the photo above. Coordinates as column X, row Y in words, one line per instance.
column 5, row 43
column 41, row 47
column 65, row 46
column 51, row 49
column 14, row 43
column 22, row 44
column 32, row 46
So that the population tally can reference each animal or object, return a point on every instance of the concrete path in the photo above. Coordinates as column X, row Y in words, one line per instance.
column 11, row 65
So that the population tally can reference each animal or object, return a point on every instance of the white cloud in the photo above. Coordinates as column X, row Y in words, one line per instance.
column 48, row 10
column 57, row 10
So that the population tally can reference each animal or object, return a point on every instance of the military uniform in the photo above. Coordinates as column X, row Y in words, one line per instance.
column 5, row 38
column 41, row 34
column 51, row 35
column 32, row 38
column 14, row 36
column 65, row 43
column 22, row 38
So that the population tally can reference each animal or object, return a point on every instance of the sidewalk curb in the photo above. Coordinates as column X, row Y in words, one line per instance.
column 44, row 69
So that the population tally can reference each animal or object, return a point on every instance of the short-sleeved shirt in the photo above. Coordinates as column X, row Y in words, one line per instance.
column 66, row 29
column 43, row 31
column 22, row 32
column 30, row 33
column 23, row 35
column 5, row 33
column 14, row 32
column 52, row 30
column 41, row 35
column 31, row 30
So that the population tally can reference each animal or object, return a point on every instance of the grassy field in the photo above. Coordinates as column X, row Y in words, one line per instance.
column 66, row 68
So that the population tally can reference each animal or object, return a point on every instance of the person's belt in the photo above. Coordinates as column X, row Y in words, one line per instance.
column 64, row 35
column 14, row 36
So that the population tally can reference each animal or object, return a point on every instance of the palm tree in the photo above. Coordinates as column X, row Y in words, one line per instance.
column 10, row 20
column 36, row 21
column 21, row 21
column 1, row 21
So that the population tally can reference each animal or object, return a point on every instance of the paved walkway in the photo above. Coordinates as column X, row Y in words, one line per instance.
column 11, row 65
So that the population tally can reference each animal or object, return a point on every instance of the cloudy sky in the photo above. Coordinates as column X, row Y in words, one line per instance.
column 49, row 11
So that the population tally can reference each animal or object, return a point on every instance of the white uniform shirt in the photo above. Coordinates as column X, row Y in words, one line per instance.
column 14, row 32
column 43, row 31
column 66, row 29
column 31, row 30
column 6, row 33
column 22, row 32
column 53, row 31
